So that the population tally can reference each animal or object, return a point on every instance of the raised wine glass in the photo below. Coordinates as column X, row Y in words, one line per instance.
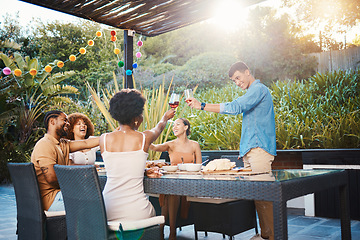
column 188, row 93
column 174, row 100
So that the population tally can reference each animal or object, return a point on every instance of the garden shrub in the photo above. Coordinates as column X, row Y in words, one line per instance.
column 204, row 70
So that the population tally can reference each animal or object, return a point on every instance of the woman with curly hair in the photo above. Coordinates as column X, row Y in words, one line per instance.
column 125, row 152
column 81, row 128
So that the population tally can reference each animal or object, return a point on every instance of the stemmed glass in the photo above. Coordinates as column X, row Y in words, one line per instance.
column 188, row 93
column 174, row 100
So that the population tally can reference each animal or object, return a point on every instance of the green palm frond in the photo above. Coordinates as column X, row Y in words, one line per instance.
column 154, row 109
column 104, row 110
column 10, row 44
column 56, row 78
column 61, row 100
column 53, row 90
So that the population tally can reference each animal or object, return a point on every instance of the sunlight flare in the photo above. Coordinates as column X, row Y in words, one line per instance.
column 229, row 14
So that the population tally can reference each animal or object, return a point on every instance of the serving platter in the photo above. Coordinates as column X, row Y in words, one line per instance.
column 237, row 171
column 181, row 172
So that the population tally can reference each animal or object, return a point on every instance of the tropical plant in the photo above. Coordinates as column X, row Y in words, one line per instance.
column 31, row 92
column 154, row 109
column 322, row 112
column 23, row 99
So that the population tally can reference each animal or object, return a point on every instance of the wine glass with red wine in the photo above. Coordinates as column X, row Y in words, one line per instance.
column 174, row 100
column 188, row 93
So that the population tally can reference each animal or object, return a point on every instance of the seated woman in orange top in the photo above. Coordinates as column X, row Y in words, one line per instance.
column 181, row 150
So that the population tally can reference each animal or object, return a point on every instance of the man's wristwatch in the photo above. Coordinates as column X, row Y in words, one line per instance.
column 203, row 105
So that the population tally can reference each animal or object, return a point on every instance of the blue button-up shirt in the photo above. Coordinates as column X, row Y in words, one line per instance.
column 258, row 126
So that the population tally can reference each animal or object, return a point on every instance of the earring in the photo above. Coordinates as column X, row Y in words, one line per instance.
column 136, row 122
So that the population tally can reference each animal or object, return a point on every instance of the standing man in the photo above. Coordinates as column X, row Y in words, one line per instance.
column 53, row 149
column 258, row 137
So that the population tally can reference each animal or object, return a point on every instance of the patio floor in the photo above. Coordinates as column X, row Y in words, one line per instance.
column 299, row 227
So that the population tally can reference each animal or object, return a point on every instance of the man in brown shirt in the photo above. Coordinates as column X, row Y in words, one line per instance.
column 53, row 149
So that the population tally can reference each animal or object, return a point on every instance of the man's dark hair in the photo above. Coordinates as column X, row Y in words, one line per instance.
column 238, row 66
column 49, row 115
column 126, row 105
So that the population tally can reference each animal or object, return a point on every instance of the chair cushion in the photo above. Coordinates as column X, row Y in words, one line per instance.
column 209, row 200
column 54, row 213
column 136, row 224
column 152, row 195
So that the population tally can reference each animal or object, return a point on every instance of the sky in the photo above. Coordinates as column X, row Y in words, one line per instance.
column 29, row 11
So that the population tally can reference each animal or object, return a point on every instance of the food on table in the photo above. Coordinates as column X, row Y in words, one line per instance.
column 219, row 165
column 150, row 164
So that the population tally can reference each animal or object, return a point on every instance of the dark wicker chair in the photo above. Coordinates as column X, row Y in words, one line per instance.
column 32, row 221
column 180, row 222
column 228, row 218
column 102, row 182
column 85, row 209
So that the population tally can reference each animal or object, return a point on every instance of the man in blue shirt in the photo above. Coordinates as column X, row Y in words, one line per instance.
column 258, row 137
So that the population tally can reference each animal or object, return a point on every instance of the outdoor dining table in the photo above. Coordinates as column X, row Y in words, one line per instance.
column 278, row 187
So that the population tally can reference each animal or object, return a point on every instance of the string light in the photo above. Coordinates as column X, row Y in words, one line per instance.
column 121, row 63
column 6, row 71
column 48, row 68
column 82, row 50
column 60, row 64
column 17, row 72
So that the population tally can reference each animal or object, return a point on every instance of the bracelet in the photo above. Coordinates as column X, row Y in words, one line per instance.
column 203, row 106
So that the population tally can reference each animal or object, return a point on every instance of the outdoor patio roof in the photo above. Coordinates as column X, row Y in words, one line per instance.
column 145, row 17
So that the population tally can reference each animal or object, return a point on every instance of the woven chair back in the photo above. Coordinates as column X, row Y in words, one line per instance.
column 30, row 215
column 84, row 204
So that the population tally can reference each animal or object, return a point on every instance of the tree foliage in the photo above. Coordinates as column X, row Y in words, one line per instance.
column 11, row 31
column 329, row 18
column 60, row 40
column 343, row 12
column 177, row 47
column 356, row 41
column 274, row 47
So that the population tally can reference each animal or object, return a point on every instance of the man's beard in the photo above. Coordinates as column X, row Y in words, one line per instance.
column 61, row 132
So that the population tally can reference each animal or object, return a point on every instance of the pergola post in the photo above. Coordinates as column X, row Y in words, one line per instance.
column 128, row 52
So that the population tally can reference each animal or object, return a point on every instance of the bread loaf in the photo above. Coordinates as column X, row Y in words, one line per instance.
column 219, row 165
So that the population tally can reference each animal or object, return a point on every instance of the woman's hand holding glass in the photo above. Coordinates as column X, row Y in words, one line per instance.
column 169, row 114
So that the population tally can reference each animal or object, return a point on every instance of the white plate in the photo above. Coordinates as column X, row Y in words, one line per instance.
column 193, row 167
column 170, row 168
